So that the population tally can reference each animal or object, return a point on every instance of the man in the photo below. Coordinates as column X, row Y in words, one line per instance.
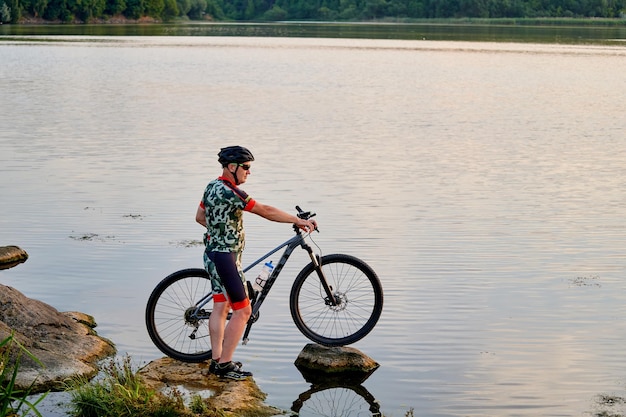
column 221, row 212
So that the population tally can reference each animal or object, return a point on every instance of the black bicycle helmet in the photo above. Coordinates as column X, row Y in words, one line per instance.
column 234, row 154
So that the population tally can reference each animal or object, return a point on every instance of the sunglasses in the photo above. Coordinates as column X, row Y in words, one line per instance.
column 245, row 166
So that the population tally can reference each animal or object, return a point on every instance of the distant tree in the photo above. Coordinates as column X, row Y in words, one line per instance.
column 114, row 7
column 415, row 9
column 249, row 13
column 324, row 13
column 261, row 6
column 348, row 13
column 500, row 8
column 5, row 12
column 599, row 8
column 72, row 10
column 34, row 8
column 234, row 9
column 58, row 10
column 214, row 9
column 39, row 7
column 183, row 6
column 474, row 8
column 274, row 14
column 53, row 10
column 155, row 8
column 134, row 9
column 88, row 9
column 225, row 6
column 306, row 9
column 170, row 9
column 229, row 8
column 375, row 9
column 197, row 10
column 14, row 10
column 332, row 5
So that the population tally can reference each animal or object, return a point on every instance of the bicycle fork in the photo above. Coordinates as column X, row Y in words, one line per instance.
column 317, row 263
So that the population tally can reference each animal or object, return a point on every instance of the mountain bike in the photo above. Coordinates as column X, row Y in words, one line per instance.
column 335, row 300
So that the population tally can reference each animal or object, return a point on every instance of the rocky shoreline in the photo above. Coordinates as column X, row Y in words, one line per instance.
column 65, row 343
column 68, row 347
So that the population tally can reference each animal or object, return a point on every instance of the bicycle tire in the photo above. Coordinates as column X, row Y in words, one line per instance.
column 358, row 290
column 166, row 320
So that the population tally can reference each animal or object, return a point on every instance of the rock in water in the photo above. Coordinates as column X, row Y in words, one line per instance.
column 11, row 256
column 316, row 361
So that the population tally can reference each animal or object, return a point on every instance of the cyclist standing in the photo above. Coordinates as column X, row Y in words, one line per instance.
column 221, row 212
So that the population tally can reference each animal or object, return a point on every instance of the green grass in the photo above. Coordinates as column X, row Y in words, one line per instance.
column 14, row 400
column 120, row 392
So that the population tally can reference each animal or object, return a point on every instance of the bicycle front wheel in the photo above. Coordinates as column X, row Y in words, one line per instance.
column 173, row 323
column 356, row 289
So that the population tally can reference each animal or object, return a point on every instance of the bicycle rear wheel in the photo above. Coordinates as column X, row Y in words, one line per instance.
column 169, row 319
column 359, row 298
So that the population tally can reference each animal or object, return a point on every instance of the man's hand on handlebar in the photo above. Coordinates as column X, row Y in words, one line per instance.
column 307, row 225
column 304, row 220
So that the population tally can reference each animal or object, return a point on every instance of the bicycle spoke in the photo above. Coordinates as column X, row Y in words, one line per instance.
column 171, row 325
column 358, row 301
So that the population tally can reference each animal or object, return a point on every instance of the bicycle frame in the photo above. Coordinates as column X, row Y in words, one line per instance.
column 290, row 245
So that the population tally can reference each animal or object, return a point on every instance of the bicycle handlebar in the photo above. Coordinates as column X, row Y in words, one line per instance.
column 306, row 215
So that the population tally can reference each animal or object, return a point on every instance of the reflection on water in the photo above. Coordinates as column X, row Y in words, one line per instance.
column 336, row 400
column 338, row 394
column 565, row 34
column 483, row 182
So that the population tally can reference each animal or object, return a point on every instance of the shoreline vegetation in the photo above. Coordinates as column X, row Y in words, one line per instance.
column 519, row 12
column 543, row 21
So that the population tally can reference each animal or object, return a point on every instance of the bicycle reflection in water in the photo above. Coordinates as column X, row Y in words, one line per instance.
column 336, row 396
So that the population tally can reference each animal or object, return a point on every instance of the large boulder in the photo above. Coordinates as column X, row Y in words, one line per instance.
column 65, row 343
column 319, row 363
column 11, row 256
column 232, row 398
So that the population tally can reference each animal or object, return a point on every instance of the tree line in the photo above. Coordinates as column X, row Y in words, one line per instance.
column 12, row 11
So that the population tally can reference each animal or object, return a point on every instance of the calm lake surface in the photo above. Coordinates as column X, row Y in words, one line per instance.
column 578, row 32
column 484, row 182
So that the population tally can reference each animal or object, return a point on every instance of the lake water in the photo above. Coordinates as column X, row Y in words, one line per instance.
column 484, row 182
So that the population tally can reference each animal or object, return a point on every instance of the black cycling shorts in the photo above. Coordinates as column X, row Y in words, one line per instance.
column 227, row 279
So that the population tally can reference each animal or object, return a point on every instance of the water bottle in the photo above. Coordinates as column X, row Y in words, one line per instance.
column 260, row 280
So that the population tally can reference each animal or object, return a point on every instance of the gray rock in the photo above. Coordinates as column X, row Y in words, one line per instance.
column 319, row 363
column 334, row 359
column 65, row 343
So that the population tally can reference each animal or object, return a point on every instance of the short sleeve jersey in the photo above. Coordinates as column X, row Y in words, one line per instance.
column 224, row 204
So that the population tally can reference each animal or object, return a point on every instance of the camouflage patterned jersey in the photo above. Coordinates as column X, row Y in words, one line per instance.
column 223, row 205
